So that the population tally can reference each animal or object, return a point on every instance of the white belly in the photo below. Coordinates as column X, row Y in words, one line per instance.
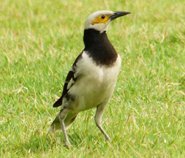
column 96, row 83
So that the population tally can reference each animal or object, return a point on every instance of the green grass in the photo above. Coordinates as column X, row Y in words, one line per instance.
column 39, row 40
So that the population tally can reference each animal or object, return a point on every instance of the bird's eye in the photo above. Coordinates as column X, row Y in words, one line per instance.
column 103, row 17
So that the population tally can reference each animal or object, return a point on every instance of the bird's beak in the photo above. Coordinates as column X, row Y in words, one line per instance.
column 118, row 14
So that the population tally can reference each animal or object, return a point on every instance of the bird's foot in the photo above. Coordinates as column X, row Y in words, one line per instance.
column 68, row 145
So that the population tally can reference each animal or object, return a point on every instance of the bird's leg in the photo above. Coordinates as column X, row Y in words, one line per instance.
column 62, row 117
column 98, row 119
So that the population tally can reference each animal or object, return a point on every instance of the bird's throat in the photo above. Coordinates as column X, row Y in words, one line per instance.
column 98, row 46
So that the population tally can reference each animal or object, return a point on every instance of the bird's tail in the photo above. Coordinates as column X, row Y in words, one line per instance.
column 56, row 126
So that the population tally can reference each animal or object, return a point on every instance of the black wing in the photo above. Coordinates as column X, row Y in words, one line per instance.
column 70, row 80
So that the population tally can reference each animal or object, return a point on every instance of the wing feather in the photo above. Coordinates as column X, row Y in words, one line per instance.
column 70, row 81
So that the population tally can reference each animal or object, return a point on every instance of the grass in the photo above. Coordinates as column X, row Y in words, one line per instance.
column 39, row 40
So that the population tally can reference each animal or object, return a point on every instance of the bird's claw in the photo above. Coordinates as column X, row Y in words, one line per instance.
column 67, row 145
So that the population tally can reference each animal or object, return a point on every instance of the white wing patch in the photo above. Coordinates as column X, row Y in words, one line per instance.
column 70, row 83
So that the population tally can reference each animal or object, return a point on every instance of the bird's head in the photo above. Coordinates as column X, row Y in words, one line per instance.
column 100, row 20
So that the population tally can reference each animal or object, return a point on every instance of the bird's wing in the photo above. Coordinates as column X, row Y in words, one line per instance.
column 70, row 80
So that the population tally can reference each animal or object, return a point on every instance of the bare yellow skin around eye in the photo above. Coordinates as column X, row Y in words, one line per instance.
column 99, row 20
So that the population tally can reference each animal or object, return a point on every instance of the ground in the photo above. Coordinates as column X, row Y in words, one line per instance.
column 39, row 41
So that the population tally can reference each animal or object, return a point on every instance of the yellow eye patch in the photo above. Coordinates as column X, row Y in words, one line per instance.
column 101, row 19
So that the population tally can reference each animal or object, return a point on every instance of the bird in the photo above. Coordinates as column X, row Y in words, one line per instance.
column 92, row 78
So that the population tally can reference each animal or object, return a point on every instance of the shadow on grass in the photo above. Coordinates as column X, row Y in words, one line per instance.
column 75, row 139
column 39, row 142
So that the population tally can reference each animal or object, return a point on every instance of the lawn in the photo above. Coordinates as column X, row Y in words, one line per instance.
column 39, row 41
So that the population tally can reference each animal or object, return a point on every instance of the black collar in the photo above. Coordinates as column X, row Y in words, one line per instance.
column 98, row 46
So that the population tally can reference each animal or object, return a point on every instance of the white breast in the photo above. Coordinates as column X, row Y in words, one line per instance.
column 96, row 83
